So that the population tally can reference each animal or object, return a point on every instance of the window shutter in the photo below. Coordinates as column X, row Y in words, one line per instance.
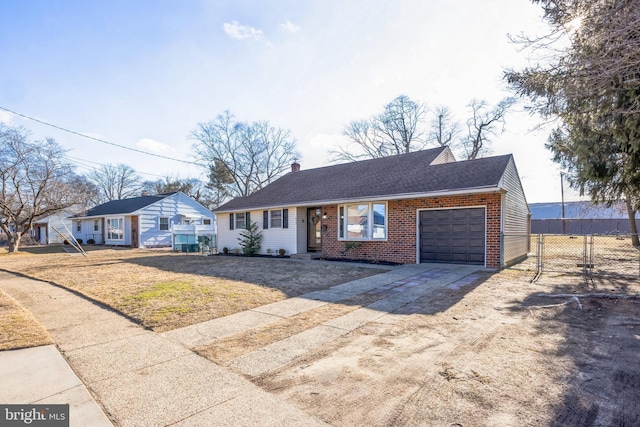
column 285, row 218
column 231, row 223
column 247, row 219
column 265, row 219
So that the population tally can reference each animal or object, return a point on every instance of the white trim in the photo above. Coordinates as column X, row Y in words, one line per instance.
column 160, row 218
column 270, row 218
column 108, row 226
column 404, row 196
column 370, row 203
column 448, row 209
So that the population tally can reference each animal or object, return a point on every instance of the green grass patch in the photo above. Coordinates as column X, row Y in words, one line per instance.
column 161, row 291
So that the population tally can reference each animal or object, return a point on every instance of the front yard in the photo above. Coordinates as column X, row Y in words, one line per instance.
column 164, row 290
column 499, row 350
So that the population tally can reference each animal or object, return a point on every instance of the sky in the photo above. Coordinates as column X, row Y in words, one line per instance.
column 144, row 73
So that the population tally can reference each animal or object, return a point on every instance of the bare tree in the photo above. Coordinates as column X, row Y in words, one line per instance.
column 115, row 182
column 35, row 181
column 484, row 123
column 243, row 157
column 444, row 128
column 397, row 130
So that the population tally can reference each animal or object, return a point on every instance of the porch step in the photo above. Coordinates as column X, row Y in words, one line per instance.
column 307, row 255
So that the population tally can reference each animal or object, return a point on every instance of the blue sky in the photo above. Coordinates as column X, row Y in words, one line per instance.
column 144, row 73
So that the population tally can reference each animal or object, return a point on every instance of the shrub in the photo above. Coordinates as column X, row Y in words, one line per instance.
column 250, row 239
column 91, row 242
column 281, row 252
column 66, row 242
column 225, row 250
column 79, row 241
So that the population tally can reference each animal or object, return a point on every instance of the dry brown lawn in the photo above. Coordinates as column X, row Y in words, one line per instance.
column 165, row 290
column 18, row 327
column 501, row 351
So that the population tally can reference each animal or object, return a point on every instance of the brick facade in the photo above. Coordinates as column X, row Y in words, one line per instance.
column 400, row 245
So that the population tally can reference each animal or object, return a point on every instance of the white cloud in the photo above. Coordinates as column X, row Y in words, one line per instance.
column 237, row 31
column 154, row 146
column 290, row 27
column 5, row 117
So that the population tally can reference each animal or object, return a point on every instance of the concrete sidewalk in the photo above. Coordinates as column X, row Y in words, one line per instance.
column 40, row 375
column 143, row 378
column 139, row 377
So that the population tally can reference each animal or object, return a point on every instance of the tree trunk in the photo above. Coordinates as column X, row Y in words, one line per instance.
column 635, row 241
column 13, row 239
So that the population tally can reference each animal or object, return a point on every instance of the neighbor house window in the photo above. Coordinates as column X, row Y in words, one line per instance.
column 276, row 219
column 78, row 226
column 206, row 221
column 115, row 228
column 363, row 221
column 240, row 221
column 164, row 223
column 96, row 225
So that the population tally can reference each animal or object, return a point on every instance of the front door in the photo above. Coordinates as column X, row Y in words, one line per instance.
column 314, row 230
column 134, row 231
column 42, row 235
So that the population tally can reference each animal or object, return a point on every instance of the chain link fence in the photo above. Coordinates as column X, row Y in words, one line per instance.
column 589, row 254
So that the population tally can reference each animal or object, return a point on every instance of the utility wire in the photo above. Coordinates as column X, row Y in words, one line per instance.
column 97, row 139
column 78, row 161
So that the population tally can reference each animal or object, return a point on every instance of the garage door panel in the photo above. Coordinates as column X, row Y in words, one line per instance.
column 452, row 235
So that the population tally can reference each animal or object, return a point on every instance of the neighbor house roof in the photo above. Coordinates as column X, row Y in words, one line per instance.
column 123, row 206
column 383, row 178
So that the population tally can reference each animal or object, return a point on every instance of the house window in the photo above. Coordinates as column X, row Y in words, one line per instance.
column 115, row 229
column 276, row 219
column 240, row 221
column 164, row 223
column 206, row 221
column 78, row 226
column 363, row 221
column 96, row 225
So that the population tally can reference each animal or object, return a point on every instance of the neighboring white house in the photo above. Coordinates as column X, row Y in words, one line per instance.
column 44, row 229
column 142, row 222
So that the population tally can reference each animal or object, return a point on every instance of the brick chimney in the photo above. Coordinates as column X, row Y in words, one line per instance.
column 295, row 167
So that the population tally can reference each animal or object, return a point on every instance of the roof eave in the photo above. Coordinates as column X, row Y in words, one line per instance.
column 404, row 196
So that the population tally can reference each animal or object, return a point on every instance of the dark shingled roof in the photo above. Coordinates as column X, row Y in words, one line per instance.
column 384, row 178
column 124, row 206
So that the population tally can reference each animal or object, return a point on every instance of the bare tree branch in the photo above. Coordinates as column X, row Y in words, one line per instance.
column 397, row 130
column 116, row 182
column 35, row 181
column 485, row 122
column 243, row 157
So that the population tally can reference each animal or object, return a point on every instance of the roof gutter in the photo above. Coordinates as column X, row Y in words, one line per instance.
column 441, row 193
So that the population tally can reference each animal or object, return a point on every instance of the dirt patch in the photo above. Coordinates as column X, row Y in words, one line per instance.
column 166, row 290
column 483, row 354
column 223, row 350
column 18, row 327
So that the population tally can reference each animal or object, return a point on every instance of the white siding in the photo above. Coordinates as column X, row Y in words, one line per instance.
column 445, row 157
column 87, row 232
column 176, row 208
column 59, row 221
column 272, row 238
column 515, row 224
